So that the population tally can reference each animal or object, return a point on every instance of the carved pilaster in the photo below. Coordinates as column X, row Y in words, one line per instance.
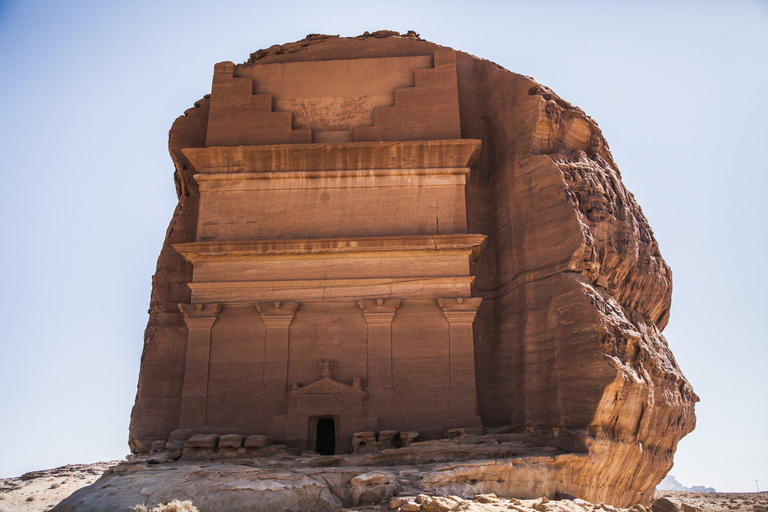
column 460, row 314
column 194, row 396
column 379, row 314
column 277, row 316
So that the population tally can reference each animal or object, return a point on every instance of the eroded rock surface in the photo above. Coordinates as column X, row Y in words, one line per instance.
column 357, row 488
column 289, row 483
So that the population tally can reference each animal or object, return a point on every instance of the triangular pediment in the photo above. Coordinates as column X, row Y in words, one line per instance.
column 327, row 386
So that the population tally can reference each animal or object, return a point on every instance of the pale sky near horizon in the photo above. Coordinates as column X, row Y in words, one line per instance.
column 88, row 91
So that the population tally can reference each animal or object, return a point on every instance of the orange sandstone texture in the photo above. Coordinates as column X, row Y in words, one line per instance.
column 348, row 206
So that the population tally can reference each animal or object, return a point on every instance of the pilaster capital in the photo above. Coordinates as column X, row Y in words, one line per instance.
column 200, row 315
column 461, row 310
column 379, row 311
column 278, row 313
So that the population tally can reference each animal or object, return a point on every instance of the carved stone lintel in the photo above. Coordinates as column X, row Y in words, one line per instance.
column 461, row 310
column 277, row 314
column 379, row 311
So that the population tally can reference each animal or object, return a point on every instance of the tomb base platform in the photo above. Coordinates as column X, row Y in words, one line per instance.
column 522, row 465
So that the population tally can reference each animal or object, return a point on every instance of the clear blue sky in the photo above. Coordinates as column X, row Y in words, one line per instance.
column 88, row 91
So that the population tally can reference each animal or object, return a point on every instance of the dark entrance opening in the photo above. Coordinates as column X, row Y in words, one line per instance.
column 325, row 442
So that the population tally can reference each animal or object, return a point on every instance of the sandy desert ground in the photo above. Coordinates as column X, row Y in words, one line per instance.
column 41, row 490
column 721, row 501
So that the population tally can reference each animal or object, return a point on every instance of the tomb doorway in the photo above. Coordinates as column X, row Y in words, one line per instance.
column 325, row 438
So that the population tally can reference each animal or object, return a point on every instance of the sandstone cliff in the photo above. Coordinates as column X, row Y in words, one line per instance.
column 568, row 340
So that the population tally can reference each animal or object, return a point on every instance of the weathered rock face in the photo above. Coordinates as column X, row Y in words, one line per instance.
column 575, row 294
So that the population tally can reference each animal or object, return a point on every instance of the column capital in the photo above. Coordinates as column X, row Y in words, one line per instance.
column 278, row 313
column 460, row 310
column 379, row 311
column 200, row 315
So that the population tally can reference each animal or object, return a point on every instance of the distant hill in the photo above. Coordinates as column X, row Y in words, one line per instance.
column 670, row 483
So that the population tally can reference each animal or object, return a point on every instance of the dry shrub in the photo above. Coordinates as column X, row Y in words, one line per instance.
column 172, row 506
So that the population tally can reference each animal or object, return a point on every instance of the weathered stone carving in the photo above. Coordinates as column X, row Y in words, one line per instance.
column 453, row 235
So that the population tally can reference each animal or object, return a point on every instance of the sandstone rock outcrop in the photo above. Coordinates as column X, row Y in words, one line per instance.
column 123, row 493
column 291, row 483
column 570, row 288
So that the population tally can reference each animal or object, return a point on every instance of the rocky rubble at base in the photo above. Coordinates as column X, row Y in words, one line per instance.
column 716, row 502
column 273, row 487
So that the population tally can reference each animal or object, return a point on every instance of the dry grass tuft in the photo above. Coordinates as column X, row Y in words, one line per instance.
column 173, row 506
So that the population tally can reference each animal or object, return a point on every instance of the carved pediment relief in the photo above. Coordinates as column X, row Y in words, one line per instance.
column 328, row 386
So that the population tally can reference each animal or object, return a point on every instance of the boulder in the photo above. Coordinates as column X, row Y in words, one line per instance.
column 438, row 503
column 665, row 505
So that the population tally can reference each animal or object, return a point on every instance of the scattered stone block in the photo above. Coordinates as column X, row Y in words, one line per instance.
column 198, row 454
column 437, row 503
column 462, row 432
column 486, row 498
column 232, row 453
column 257, row 441
column 364, row 442
column 231, row 446
column 399, row 502
column 200, row 447
column 386, row 440
column 157, row 446
column 231, row 441
column 174, row 446
column 406, row 438
column 202, row 441
column 372, row 487
column 665, row 505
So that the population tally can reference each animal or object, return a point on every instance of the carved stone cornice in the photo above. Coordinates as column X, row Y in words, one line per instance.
column 335, row 156
column 200, row 315
column 379, row 311
column 382, row 246
column 277, row 313
column 460, row 310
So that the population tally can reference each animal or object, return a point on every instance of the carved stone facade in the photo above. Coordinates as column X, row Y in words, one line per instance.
column 354, row 255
